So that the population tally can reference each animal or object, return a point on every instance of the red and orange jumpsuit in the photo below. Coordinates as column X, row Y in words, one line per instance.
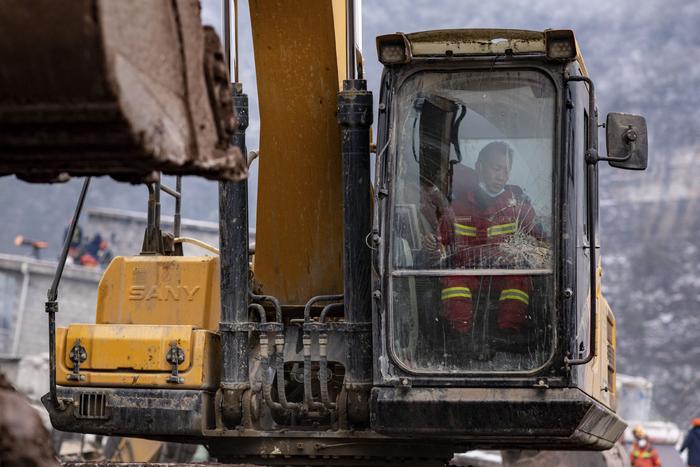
column 480, row 224
column 644, row 457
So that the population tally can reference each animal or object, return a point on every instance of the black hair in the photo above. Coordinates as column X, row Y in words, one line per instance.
column 495, row 147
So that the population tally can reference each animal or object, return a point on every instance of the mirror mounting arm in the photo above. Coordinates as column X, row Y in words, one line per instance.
column 630, row 138
column 592, row 157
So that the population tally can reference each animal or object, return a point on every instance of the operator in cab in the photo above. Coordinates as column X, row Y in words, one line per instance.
column 490, row 221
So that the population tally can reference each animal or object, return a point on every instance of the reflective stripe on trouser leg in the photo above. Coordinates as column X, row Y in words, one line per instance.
column 456, row 292
column 456, row 296
column 513, row 301
column 515, row 294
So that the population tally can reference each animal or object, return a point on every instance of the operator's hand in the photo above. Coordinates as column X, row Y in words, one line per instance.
column 431, row 242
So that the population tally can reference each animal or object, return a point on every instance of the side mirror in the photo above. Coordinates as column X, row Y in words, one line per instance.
column 626, row 140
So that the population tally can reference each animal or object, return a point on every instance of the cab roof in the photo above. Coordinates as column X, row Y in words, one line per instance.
column 468, row 42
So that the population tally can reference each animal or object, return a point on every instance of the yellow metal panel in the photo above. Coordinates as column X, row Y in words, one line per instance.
column 299, row 222
column 134, row 356
column 139, row 348
column 595, row 373
column 160, row 290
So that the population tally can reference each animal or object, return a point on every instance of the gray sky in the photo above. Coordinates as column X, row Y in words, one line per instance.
column 643, row 56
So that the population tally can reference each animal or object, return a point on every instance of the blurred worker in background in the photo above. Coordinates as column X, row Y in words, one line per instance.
column 75, row 242
column 96, row 252
column 89, row 252
column 36, row 245
column 643, row 453
column 692, row 444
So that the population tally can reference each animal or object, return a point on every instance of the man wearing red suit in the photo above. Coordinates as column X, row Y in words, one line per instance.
column 487, row 215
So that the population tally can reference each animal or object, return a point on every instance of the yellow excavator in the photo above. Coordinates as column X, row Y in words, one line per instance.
column 452, row 303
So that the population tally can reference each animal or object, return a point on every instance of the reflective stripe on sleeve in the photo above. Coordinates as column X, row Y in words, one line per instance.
column 502, row 229
column 456, row 292
column 515, row 294
column 465, row 230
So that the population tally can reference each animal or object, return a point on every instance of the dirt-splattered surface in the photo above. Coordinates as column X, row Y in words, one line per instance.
column 24, row 442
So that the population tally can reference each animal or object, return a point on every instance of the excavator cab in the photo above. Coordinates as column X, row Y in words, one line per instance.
column 492, row 323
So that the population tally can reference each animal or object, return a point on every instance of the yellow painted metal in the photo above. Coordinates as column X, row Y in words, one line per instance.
column 136, row 347
column 135, row 356
column 600, row 374
column 160, row 290
column 299, row 222
column 340, row 26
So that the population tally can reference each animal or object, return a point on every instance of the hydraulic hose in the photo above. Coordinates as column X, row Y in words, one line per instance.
column 279, row 367
column 309, row 403
column 270, row 299
column 323, row 371
column 323, row 357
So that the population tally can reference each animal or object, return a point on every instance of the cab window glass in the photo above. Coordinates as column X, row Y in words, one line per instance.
column 472, row 221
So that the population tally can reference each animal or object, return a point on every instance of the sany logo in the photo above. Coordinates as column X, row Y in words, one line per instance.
column 166, row 292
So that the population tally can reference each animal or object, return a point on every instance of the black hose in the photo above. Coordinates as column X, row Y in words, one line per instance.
column 323, row 359
column 316, row 299
column 323, row 380
column 323, row 371
column 328, row 308
column 271, row 299
column 309, row 403
column 266, row 384
column 308, row 396
column 51, row 306
column 53, row 291
column 265, row 359
column 261, row 312
column 279, row 368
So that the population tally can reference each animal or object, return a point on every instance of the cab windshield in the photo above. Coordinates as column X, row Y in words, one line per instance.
column 471, row 244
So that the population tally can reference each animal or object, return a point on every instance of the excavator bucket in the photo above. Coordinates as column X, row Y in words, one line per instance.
column 121, row 88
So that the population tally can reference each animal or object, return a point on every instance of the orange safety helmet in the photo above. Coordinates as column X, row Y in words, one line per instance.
column 696, row 422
